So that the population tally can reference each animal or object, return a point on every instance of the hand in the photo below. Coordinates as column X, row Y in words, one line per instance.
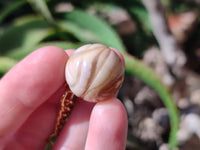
column 29, row 103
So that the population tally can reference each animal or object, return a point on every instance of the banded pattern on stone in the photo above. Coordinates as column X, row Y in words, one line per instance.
column 94, row 72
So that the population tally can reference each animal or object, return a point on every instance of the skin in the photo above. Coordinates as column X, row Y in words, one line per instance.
column 29, row 102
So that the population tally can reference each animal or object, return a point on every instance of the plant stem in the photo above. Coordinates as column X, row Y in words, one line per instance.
column 147, row 75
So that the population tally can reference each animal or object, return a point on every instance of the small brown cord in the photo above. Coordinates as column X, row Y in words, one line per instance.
column 67, row 102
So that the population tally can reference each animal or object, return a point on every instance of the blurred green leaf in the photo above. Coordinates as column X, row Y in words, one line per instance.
column 42, row 8
column 165, row 2
column 5, row 64
column 97, row 26
column 142, row 16
column 28, row 33
column 20, row 53
column 10, row 9
column 80, row 33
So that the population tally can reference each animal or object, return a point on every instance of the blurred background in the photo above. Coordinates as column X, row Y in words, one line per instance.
column 160, row 41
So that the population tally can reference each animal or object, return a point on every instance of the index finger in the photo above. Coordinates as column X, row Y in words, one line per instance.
column 26, row 86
